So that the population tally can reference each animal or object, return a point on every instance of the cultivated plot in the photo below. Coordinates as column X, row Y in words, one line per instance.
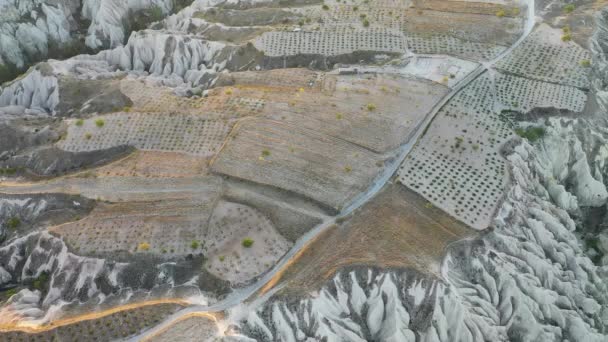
column 328, row 170
column 378, row 112
column 395, row 229
column 457, row 164
column 241, row 243
column 187, row 133
column 547, row 56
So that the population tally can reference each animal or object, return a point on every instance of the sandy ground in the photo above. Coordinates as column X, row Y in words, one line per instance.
column 190, row 329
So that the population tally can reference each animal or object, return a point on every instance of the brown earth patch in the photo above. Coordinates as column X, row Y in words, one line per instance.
column 398, row 228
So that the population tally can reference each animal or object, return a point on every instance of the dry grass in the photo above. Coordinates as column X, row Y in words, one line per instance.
column 396, row 229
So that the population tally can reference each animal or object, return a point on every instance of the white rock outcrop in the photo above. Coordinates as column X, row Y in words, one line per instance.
column 28, row 28
column 108, row 18
column 37, row 90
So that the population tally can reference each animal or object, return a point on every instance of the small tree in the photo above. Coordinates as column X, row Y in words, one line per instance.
column 144, row 246
column 247, row 242
column 13, row 223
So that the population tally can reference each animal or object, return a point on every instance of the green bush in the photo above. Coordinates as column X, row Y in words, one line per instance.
column 13, row 223
column 8, row 72
column 195, row 244
column 248, row 242
column 8, row 171
column 531, row 133
column 569, row 8
column 141, row 19
column 41, row 282
column 179, row 5
column 155, row 13
column 99, row 123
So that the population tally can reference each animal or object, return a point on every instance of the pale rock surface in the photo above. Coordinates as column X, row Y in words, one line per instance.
column 27, row 28
column 159, row 57
column 23, row 306
column 108, row 19
column 36, row 90
column 561, row 160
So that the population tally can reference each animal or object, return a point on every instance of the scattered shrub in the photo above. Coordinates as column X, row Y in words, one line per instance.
column 325, row 7
column 88, row 136
column 247, row 242
column 567, row 36
column 531, row 133
column 569, row 8
column 156, row 13
column 9, row 72
column 79, row 122
column 194, row 244
column 144, row 246
column 99, row 123
column 371, row 107
column 500, row 13
column 585, row 63
column 40, row 283
column 265, row 153
column 365, row 23
column 13, row 223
